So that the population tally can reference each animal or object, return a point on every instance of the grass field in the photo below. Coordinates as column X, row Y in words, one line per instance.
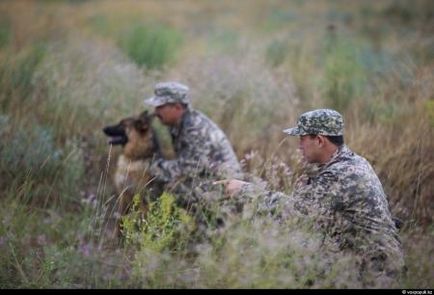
column 68, row 68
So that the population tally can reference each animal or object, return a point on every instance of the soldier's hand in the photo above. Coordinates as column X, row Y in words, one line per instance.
column 232, row 186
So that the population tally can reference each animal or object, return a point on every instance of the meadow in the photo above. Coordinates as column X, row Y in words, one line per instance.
column 69, row 68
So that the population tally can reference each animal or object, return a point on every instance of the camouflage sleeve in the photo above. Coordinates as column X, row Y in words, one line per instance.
column 160, row 168
column 318, row 198
column 312, row 199
column 267, row 202
column 190, row 161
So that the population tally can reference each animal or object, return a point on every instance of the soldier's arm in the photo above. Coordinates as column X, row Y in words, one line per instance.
column 317, row 196
column 190, row 161
column 319, row 199
column 266, row 201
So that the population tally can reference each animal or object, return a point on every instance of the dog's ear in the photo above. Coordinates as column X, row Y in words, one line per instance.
column 144, row 113
column 143, row 121
column 147, row 115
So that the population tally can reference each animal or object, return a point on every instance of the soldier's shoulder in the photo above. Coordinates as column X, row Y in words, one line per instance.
column 350, row 160
column 353, row 171
column 345, row 171
column 197, row 120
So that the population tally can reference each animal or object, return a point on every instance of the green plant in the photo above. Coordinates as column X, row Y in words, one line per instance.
column 16, row 75
column 150, row 46
column 31, row 156
column 430, row 110
column 62, row 78
column 28, row 151
column 344, row 77
column 164, row 227
column 5, row 33
column 276, row 53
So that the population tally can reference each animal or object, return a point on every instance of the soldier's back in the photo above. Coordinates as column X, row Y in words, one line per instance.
column 211, row 144
column 362, row 221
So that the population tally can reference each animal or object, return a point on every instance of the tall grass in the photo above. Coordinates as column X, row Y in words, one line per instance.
column 150, row 46
column 344, row 76
column 252, row 67
column 5, row 33
column 16, row 74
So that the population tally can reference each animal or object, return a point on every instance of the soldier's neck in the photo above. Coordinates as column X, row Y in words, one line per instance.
column 328, row 153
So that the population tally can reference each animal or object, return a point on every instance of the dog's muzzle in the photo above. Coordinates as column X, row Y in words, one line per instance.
column 117, row 135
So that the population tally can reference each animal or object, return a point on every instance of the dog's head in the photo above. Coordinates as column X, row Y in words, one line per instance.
column 135, row 135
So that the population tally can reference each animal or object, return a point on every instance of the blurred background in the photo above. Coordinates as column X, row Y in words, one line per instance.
column 68, row 68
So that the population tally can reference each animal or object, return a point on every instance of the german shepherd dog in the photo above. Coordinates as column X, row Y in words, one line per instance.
column 139, row 145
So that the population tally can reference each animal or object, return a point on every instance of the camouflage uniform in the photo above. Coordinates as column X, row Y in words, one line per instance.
column 345, row 200
column 203, row 152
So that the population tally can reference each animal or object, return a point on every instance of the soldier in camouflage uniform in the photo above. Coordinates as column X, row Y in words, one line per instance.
column 203, row 152
column 342, row 196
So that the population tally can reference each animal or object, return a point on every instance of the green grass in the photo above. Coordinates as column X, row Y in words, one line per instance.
column 16, row 74
column 253, row 68
column 344, row 75
column 276, row 53
column 149, row 45
column 5, row 33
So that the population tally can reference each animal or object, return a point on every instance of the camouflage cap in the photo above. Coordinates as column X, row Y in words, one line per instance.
column 322, row 121
column 169, row 92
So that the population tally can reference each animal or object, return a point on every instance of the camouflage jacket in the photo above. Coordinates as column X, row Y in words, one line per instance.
column 202, row 152
column 345, row 200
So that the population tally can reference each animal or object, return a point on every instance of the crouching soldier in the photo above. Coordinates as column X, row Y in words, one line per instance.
column 203, row 153
column 343, row 197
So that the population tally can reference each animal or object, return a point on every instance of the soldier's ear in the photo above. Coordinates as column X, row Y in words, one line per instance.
column 321, row 140
column 179, row 106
